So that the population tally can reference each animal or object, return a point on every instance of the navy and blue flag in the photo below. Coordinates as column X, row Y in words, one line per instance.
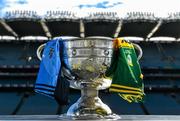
column 50, row 80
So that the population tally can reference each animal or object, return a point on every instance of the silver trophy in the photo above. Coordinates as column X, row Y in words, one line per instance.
column 89, row 58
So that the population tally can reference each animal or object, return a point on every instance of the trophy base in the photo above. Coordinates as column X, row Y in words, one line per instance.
column 90, row 106
column 90, row 117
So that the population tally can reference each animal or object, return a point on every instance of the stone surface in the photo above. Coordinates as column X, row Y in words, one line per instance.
column 123, row 117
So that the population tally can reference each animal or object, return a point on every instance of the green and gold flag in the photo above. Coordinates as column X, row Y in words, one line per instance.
column 125, row 71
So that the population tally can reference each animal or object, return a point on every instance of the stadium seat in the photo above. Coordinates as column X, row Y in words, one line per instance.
column 151, row 57
column 161, row 104
column 8, row 102
column 159, row 82
column 39, row 105
column 160, row 55
column 120, row 106
column 171, row 51
column 20, row 54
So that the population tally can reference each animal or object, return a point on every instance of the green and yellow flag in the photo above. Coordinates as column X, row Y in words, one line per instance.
column 125, row 71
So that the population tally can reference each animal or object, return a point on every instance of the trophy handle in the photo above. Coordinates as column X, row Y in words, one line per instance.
column 39, row 51
column 140, row 52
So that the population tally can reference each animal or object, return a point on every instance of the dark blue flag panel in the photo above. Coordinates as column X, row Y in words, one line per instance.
column 50, row 80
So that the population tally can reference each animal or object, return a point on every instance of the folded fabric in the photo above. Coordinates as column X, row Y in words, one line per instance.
column 50, row 80
column 125, row 71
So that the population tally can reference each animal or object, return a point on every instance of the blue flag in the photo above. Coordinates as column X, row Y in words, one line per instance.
column 49, row 69
column 50, row 81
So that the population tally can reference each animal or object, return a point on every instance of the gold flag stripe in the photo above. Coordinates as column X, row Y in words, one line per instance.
column 125, row 87
column 126, row 98
column 125, row 91
column 131, row 98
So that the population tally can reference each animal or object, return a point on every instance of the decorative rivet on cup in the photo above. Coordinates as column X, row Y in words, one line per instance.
column 106, row 52
column 74, row 52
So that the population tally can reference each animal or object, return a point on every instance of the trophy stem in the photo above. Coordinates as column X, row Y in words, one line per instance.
column 88, row 91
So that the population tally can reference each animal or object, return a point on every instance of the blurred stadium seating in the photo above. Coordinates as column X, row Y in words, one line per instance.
column 19, row 64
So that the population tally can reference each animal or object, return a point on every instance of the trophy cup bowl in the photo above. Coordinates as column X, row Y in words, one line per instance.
column 89, row 58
